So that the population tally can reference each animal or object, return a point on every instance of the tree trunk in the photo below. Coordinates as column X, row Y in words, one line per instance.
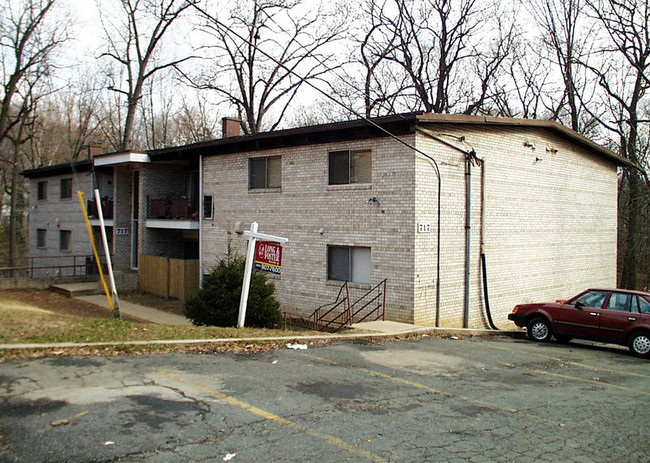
column 630, row 249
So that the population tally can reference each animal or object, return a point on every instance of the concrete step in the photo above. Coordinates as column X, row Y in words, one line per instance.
column 78, row 289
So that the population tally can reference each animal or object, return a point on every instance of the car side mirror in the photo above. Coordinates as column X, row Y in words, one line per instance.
column 580, row 305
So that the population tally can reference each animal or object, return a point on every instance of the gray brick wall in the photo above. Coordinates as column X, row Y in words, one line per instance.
column 550, row 224
column 54, row 215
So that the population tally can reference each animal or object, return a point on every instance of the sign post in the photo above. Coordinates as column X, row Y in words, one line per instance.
column 253, row 236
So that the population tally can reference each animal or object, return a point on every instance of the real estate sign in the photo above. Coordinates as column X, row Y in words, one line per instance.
column 268, row 257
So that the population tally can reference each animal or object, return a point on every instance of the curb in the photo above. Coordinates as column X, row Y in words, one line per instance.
column 331, row 337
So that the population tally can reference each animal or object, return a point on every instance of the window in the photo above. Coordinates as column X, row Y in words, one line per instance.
column 41, row 238
column 346, row 263
column 620, row 301
column 592, row 299
column 66, row 188
column 644, row 306
column 346, row 167
column 41, row 194
column 65, row 240
column 207, row 207
column 265, row 172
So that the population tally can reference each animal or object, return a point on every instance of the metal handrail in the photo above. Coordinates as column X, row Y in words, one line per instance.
column 78, row 267
column 381, row 293
column 349, row 317
column 318, row 317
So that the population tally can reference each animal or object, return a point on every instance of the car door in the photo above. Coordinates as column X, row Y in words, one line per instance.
column 580, row 316
column 620, row 314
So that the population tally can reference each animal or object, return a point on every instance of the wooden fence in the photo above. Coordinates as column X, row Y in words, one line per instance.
column 169, row 278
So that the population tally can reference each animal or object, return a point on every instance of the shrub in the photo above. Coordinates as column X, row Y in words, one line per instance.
column 217, row 302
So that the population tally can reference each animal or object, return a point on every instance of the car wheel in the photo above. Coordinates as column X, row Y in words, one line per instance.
column 539, row 330
column 562, row 338
column 640, row 344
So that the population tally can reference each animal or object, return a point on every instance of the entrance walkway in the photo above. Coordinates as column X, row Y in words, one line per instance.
column 139, row 311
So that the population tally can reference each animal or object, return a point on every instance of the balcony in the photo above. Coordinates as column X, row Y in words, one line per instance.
column 108, row 208
column 172, row 213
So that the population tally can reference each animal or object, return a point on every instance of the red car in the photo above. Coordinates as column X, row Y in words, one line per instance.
column 616, row 316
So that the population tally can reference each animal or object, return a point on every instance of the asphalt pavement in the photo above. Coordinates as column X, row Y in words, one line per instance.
column 494, row 399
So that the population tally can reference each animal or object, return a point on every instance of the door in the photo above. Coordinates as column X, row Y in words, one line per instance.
column 581, row 315
column 620, row 314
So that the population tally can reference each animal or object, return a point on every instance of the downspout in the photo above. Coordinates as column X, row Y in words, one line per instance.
column 468, row 226
column 201, row 213
column 486, row 298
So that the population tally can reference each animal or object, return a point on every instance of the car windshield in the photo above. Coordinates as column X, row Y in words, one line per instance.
column 594, row 298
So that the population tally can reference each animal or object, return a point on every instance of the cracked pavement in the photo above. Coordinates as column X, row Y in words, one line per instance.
column 432, row 399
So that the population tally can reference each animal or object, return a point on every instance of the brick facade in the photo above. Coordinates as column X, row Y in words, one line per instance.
column 550, row 221
column 544, row 199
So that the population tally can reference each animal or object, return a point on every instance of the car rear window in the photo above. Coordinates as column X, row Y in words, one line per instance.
column 644, row 306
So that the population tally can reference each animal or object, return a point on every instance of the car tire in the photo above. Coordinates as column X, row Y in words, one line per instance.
column 562, row 338
column 539, row 330
column 639, row 344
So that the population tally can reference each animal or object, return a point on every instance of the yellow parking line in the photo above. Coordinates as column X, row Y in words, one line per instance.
column 584, row 380
column 570, row 362
column 273, row 417
column 450, row 395
column 63, row 421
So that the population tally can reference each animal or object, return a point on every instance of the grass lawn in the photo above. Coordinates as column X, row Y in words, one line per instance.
column 35, row 317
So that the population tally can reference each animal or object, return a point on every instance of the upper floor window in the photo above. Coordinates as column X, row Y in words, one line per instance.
column 350, row 166
column 348, row 263
column 41, row 191
column 66, row 188
column 265, row 172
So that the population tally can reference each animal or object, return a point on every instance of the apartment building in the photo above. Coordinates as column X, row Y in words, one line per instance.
column 453, row 212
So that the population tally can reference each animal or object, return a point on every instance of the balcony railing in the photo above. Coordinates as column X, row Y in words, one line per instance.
column 174, row 209
column 108, row 206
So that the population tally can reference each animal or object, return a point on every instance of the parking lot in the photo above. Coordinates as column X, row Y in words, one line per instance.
column 431, row 399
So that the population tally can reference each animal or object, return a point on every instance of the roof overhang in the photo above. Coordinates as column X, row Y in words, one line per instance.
column 552, row 126
column 114, row 159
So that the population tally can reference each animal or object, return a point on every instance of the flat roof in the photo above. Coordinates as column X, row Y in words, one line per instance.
column 357, row 129
column 400, row 124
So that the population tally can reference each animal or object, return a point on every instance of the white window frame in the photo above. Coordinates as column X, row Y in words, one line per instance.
column 359, row 264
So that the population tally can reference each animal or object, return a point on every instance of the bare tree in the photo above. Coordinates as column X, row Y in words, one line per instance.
column 262, row 55
column 623, row 76
column 133, row 45
column 444, row 56
column 27, row 40
column 566, row 33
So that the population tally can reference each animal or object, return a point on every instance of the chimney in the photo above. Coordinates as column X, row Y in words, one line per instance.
column 94, row 149
column 230, row 127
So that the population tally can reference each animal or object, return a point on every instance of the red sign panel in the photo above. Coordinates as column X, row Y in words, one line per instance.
column 268, row 257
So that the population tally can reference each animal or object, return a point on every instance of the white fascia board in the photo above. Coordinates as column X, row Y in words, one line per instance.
column 121, row 158
column 96, row 223
column 173, row 224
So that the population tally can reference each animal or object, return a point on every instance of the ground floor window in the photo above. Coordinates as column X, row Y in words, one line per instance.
column 349, row 263
column 41, row 238
column 65, row 240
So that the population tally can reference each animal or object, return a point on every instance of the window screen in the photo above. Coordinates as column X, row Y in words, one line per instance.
column 345, row 263
column 346, row 167
column 265, row 172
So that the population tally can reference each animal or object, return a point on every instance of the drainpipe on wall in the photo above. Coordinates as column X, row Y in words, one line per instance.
column 201, row 206
column 469, row 160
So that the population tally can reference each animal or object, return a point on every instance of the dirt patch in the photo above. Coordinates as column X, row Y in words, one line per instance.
column 57, row 303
